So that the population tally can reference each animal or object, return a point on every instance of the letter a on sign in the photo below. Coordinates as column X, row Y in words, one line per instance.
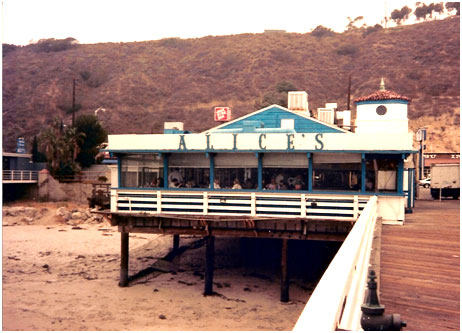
column 222, row 114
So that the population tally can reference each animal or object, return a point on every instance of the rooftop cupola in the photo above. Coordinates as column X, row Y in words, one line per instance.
column 383, row 111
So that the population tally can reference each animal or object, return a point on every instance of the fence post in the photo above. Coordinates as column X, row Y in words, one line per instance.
column 303, row 205
column 355, row 207
column 205, row 204
column 159, row 202
column 253, row 204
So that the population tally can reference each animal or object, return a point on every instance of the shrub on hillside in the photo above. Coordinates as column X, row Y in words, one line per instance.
column 321, row 31
column 55, row 45
column 347, row 49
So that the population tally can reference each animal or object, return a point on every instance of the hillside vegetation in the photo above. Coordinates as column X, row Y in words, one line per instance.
column 144, row 84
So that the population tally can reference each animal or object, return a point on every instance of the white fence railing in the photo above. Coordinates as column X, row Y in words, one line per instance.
column 336, row 301
column 18, row 176
column 340, row 207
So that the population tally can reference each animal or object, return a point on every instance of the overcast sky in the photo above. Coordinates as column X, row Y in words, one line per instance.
column 94, row 21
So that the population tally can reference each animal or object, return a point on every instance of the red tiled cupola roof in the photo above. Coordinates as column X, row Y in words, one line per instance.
column 381, row 95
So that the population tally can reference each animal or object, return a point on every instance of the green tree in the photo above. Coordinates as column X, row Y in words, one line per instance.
column 400, row 15
column 95, row 135
column 59, row 144
column 37, row 156
column 453, row 5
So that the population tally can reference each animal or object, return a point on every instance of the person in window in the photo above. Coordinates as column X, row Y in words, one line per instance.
column 174, row 183
column 236, row 185
column 216, row 184
column 272, row 185
column 175, row 174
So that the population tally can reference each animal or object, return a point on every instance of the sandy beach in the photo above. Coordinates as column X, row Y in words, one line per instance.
column 63, row 275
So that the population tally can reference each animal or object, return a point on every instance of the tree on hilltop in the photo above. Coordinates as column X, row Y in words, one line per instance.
column 400, row 15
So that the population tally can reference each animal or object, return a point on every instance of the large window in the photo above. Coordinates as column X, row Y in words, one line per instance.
column 285, row 171
column 188, row 170
column 381, row 174
column 337, row 172
column 141, row 170
column 236, row 171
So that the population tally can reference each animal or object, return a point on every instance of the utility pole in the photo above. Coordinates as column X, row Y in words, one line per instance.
column 73, row 102
column 349, row 92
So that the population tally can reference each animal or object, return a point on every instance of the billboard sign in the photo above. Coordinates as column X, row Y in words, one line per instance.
column 222, row 114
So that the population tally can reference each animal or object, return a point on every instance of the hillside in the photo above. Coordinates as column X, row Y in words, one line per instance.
column 141, row 85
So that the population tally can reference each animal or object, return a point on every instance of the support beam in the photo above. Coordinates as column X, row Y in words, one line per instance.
column 209, row 265
column 284, row 272
column 176, row 243
column 123, row 282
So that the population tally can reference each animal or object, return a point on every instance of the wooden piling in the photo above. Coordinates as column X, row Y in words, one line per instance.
column 209, row 265
column 176, row 243
column 284, row 272
column 123, row 282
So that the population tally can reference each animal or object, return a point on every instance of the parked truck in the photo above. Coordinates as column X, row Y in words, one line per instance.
column 445, row 180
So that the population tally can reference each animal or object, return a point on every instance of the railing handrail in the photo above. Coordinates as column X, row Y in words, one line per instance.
column 336, row 300
column 20, row 175
column 252, row 204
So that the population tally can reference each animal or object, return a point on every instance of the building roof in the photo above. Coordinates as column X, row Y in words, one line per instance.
column 381, row 95
column 271, row 117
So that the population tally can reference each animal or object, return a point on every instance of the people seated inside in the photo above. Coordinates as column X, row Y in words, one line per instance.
column 216, row 184
column 236, row 185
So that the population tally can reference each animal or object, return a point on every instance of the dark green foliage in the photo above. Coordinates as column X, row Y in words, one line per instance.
column 370, row 30
column 37, row 156
column 278, row 96
column 284, row 87
column 95, row 135
column 54, row 45
column 7, row 48
column 85, row 75
column 401, row 15
column 347, row 49
column 321, row 31
column 453, row 5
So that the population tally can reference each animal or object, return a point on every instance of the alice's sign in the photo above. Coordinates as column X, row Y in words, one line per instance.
column 216, row 142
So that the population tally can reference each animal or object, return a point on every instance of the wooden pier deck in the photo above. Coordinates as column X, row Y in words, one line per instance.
column 420, row 267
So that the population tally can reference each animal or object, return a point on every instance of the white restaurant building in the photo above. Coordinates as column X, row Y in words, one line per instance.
column 274, row 162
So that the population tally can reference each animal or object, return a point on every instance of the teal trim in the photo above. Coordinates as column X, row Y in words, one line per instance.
column 119, row 170
column 156, row 151
column 260, row 171
column 387, row 101
column 212, row 170
column 400, row 177
column 390, row 194
column 363, row 172
column 310, row 172
column 165, row 156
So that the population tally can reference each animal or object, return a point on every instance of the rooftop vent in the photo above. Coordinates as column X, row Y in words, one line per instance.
column 298, row 101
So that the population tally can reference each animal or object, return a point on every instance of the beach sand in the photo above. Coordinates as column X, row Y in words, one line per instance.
column 62, row 276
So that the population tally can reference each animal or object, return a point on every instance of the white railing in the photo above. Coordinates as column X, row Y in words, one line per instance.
column 255, row 204
column 20, row 176
column 336, row 301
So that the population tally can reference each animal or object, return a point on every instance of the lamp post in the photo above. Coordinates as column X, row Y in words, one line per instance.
column 421, row 136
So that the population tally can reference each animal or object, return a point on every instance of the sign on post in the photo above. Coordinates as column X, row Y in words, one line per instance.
column 222, row 113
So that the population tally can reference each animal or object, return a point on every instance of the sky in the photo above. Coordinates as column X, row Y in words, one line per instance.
column 100, row 21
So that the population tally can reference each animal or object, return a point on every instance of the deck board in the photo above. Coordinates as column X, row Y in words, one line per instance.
column 420, row 267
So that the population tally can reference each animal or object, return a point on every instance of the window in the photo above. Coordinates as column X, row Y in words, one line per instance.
column 337, row 172
column 381, row 110
column 381, row 174
column 236, row 171
column 285, row 171
column 188, row 170
column 141, row 170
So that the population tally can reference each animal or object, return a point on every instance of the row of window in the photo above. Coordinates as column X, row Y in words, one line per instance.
column 288, row 171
